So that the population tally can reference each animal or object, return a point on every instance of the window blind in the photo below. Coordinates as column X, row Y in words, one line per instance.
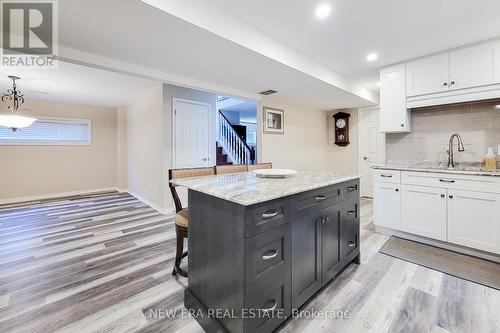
column 49, row 131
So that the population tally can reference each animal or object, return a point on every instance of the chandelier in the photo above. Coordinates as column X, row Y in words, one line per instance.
column 12, row 117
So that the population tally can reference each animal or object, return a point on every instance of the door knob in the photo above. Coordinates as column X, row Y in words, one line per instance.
column 205, row 159
column 365, row 158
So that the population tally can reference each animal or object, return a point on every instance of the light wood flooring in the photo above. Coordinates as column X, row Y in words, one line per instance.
column 101, row 263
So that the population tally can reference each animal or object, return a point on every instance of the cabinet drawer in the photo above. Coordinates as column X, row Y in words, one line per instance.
column 351, row 190
column 350, row 211
column 268, row 254
column 262, row 217
column 387, row 176
column 349, row 241
column 322, row 197
column 267, row 309
column 461, row 182
column 267, row 278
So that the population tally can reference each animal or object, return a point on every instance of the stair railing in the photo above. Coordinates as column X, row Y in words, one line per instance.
column 237, row 149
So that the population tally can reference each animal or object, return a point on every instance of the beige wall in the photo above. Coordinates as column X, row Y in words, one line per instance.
column 478, row 124
column 39, row 170
column 146, row 170
column 308, row 140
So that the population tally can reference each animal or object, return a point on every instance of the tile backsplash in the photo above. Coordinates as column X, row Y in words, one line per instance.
column 478, row 123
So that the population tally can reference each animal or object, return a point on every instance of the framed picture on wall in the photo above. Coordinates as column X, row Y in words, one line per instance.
column 274, row 121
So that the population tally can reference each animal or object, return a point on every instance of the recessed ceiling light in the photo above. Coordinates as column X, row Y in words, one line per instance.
column 323, row 10
column 497, row 106
column 372, row 57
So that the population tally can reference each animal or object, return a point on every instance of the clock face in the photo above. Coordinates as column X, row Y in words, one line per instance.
column 341, row 123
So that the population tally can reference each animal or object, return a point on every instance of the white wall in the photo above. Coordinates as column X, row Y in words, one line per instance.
column 170, row 92
column 145, row 148
column 308, row 141
column 46, row 170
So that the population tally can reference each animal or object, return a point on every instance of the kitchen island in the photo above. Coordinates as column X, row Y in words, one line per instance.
column 260, row 248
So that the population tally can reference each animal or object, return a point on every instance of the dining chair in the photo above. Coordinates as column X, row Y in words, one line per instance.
column 181, row 214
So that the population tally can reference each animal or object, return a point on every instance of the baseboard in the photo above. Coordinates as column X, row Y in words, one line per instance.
column 55, row 195
column 159, row 209
column 441, row 244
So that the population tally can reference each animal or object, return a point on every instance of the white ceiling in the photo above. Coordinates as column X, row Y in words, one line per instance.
column 77, row 84
column 134, row 32
column 247, row 110
column 397, row 30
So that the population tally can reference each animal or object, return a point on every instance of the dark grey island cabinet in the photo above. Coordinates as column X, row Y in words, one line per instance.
column 250, row 265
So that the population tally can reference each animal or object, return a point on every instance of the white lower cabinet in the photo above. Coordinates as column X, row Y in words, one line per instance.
column 474, row 220
column 423, row 211
column 386, row 205
column 459, row 209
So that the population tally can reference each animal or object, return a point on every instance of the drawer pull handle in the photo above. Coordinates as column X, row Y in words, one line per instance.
column 325, row 220
column 270, row 256
column 272, row 308
column 351, row 244
column 320, row 198
column 352, row 188
column 268, row 215
column 446, row 180
column 386, row 176
column 351, row 212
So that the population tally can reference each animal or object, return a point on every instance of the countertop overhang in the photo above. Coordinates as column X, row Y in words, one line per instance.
column 246, row 189
column 471, row 169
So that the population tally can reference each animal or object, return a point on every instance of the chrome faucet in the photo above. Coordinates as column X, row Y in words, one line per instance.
column 451, row 161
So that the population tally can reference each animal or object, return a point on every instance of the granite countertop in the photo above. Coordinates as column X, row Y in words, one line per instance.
column 245, row 188
column 461, row 168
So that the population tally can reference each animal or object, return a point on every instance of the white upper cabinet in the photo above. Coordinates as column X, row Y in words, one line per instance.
column 394, row 117
column 462, row 75
column 475, row 66
column 427, row 75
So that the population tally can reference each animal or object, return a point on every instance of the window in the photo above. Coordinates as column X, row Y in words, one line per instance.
column 50, row 131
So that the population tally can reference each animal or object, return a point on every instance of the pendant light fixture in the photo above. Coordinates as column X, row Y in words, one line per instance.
column 12, row 117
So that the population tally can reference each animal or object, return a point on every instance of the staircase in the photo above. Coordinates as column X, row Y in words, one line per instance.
column 221, row 157
column 231, row 144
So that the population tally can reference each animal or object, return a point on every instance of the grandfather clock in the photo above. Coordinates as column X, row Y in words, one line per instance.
column 341, row 128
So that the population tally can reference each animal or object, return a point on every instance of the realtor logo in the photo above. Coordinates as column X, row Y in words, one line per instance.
column 29, row 33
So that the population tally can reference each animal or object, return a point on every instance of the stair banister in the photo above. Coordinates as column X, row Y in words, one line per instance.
column 238, row 150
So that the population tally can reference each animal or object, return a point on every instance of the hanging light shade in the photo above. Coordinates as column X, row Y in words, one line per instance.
column 15, row 122
column 12, row 117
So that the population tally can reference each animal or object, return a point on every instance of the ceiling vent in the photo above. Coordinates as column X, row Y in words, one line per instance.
column 268, row 92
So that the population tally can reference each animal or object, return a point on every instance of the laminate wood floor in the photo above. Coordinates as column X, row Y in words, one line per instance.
column 103, row 263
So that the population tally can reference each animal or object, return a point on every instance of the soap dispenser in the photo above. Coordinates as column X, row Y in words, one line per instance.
column 490, row 161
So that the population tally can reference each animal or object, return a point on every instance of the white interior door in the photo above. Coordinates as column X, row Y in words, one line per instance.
column 191, row 137
column 191, row 134
column 371, row 147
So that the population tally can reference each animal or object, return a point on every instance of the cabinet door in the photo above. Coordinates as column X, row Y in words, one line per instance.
column 473, row 220
column 387, row 205
column 423, row 211
column 306, row 254
column 428, row 75
column 330, row 241
column 475, row 66
column 394, row 117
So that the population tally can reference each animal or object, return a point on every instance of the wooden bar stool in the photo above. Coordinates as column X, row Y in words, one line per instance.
column 267, row 165
column 182, row 216
column 224, row 169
